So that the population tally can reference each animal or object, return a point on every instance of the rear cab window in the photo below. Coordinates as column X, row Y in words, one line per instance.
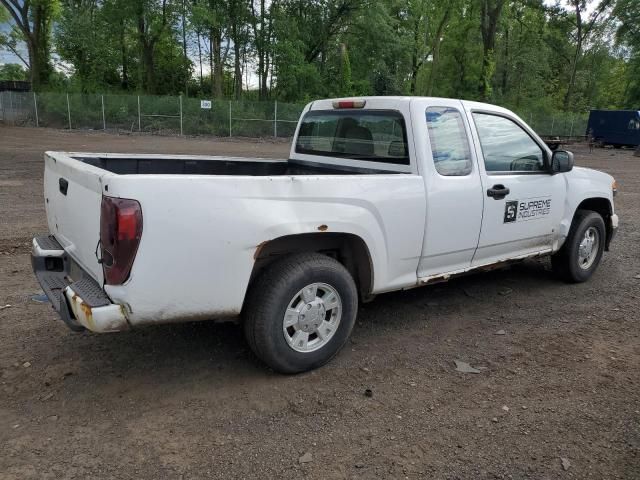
column 377, row 136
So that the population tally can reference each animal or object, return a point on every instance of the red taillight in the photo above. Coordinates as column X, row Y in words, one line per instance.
column 120, row 233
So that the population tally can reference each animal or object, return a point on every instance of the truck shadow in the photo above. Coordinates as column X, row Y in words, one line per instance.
column 532, row 277
column 476, row 301
column 186, row 353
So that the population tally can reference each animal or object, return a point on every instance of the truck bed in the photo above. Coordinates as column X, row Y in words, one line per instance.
column 205, row 218
column 128, row 164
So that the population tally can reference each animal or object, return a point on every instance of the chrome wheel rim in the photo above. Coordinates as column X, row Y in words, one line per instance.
column 312, row 317
column 588, row 249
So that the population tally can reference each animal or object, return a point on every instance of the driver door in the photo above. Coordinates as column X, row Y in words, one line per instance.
column 523, row 203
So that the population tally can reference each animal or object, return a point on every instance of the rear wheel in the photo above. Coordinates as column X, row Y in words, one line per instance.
column 581, row 253
column 300, row 312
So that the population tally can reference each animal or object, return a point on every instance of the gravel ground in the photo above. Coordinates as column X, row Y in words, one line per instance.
column 190, row 401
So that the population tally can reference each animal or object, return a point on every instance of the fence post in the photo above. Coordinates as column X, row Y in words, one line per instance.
column 35, row 107
column 139, row 121
column 11, row 107
column 180, row 115
column 275, row 119
column 229, row 117
column 571, row 129
column 69, row 111
column 104, row 119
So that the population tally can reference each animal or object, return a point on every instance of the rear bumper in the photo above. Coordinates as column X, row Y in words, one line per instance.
column 79, row 300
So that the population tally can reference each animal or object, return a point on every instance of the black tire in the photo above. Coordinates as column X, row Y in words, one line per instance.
column 269, row 297
column 565, row 262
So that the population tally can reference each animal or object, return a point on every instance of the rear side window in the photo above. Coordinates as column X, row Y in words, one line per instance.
column 373, row 135
column 449, row 142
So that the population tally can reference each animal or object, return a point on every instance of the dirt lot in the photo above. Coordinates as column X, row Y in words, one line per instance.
column 190, row 401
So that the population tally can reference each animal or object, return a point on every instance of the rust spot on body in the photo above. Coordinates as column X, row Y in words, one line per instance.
column 323, row 228
column 82, row 311
column 86, row 309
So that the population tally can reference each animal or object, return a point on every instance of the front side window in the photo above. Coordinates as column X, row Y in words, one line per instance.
column 449, row 143
column 373, row 135
column 506, row 147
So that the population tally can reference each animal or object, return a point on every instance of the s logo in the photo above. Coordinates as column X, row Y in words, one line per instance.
column 510, row 211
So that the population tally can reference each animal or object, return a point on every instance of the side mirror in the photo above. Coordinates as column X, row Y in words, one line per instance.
column 561, row 162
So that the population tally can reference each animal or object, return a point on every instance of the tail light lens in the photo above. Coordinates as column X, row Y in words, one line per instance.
column 120, row 233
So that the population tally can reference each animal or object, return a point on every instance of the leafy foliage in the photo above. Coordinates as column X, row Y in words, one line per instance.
column 524, row 54
column 12, row 71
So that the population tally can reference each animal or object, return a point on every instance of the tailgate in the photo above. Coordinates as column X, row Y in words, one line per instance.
column 73, row 194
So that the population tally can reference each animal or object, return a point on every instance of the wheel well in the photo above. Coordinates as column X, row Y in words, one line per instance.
column 601, row 206
column 350, row 250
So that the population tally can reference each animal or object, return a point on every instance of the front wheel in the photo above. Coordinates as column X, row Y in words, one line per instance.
column 581, row 253
column 300, row 312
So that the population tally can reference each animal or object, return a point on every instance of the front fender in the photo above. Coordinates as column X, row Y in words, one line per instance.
column 587, row 189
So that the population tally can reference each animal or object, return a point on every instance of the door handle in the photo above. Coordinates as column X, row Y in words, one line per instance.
column 498, row 192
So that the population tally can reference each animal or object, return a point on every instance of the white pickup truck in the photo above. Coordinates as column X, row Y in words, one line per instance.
column 378, row 194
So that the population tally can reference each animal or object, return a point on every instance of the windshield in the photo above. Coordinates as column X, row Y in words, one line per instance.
column 373, row 135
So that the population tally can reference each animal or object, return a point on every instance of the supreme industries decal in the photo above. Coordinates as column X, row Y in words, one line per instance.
column 527, row 209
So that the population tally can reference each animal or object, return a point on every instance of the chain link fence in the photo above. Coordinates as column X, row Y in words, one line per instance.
column 167, row 115
column 559, row 124
column 161, row 115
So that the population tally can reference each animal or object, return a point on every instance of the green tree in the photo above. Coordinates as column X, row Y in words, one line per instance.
column 582, row 29
column 33, row 20
column 426, row 21
column 530, row 55
column 490, row 11
column 153, row 19
column 262, row 25
column 83, row 38
column 13, row 71
column 208, row 18
column 345, row 72
column 628, row 36
column 237, row 14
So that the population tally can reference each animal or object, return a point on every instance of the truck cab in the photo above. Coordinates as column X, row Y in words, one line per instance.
column 493, row 190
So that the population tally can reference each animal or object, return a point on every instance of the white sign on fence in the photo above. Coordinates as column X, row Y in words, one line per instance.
column 205, row 104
